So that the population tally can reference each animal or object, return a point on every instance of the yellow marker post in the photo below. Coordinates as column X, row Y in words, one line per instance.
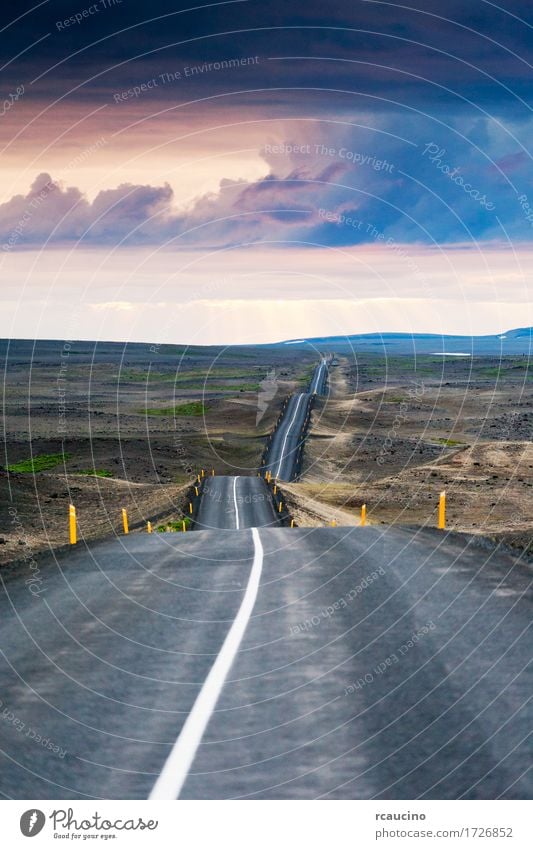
column 275, row 489
column 292, row 523
column 183, row 526
column 333, row 523
column 125, row 521
column 442, row 511
column 212, row 473
column 196, row 490
column 363, row 515
column 190, row 506
column 149, row 527
column 203, row 473
column 73, row 530
column 280, row 506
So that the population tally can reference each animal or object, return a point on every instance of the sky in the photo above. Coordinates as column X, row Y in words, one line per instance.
column 241, row 172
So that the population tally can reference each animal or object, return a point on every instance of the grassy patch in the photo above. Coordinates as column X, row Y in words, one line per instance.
column 182, row 376
column 143, row 376
column 307, row 376
column 174, row 526
column 193, row 408
column 506, row 370
column 221, row 387
column 96, row 473
column 244, row 387
column 39, row 463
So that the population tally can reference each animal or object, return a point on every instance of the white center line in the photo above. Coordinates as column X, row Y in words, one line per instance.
column 177, row 766
column 317, row 379
column 237, row 523
column 288, row 431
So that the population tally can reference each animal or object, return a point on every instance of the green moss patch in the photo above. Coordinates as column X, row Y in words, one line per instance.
column 174, row 526
column 96, row 473
column 193, row 408
column 39, row 463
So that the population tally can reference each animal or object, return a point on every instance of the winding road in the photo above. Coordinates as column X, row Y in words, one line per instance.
column 282, row 460
column 247, row 660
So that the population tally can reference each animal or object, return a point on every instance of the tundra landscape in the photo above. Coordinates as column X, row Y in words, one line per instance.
column 108, row 426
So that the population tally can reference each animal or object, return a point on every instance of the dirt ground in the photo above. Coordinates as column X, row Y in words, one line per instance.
column 394, row 436
column 111, row 409
column 392, row 433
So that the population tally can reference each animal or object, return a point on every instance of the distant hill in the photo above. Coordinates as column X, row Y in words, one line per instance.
column 517, row 341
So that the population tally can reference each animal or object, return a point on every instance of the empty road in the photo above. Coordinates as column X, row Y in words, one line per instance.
column 340, row 663
column 319, row 380
column 235, row 503
column 282, row 460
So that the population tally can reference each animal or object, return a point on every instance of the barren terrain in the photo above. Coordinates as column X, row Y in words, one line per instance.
column 128, row 427
column 111, row 426
column 394, row 434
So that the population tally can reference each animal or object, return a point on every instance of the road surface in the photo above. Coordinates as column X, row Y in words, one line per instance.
column 319, row 380
column 282, row 459
column 340, row 663
column 235, row 503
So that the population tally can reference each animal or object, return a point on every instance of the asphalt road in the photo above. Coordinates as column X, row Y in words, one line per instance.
column 288, row 437
column 235, row 503
column 319, row 380
column 341, row 663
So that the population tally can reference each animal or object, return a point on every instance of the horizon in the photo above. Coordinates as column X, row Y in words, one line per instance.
column 501, row 335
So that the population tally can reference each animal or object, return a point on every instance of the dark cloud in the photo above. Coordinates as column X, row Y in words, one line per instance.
column 436, row 185
column 50, row 213
column 476, row 49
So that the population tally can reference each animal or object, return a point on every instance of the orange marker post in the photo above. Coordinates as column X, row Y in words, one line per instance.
column 442, row 511
column 363, row 515
column 73, row 530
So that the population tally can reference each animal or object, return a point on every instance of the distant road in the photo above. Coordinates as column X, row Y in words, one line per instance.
column 235, row 503
column 318, row 383
column 287, row 439
column 340, row 663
